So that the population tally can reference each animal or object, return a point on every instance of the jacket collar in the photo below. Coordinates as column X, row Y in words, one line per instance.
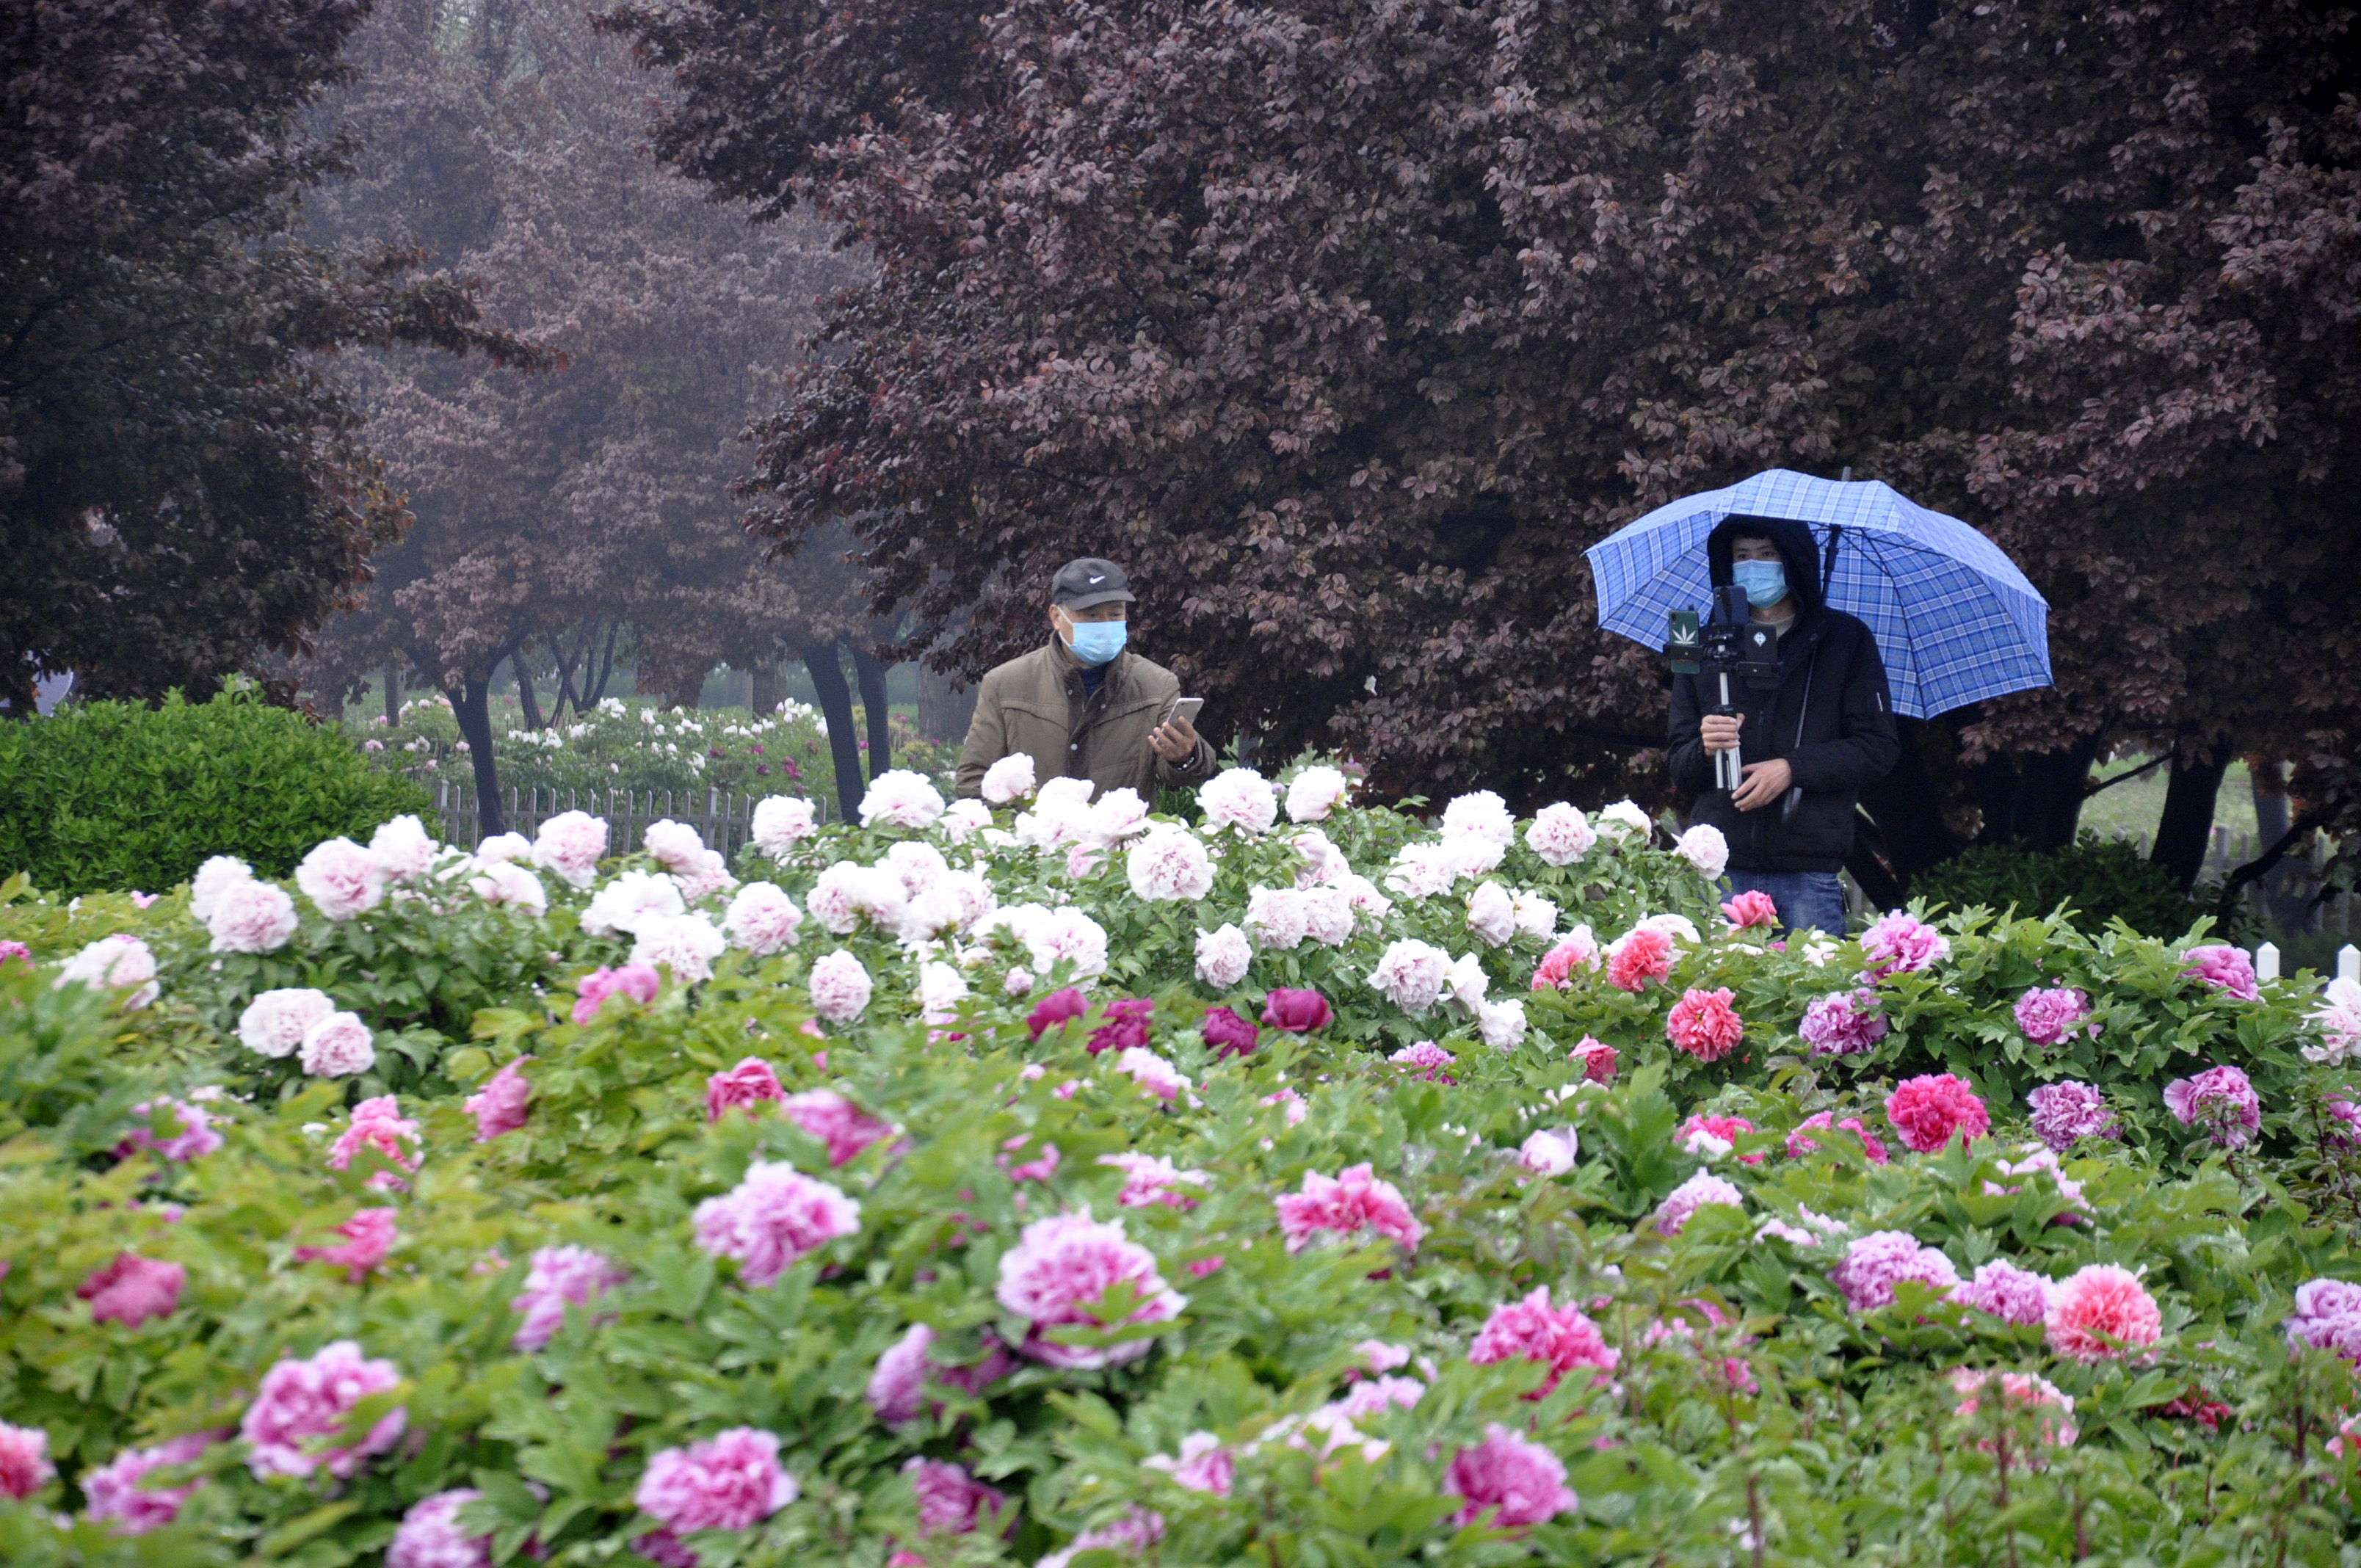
column 1118, row 669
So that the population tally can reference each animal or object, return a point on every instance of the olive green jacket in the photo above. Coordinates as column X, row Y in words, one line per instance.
column 1036, row 704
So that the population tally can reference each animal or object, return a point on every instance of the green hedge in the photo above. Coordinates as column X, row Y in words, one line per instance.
column 2099, row 880
column 114, row 794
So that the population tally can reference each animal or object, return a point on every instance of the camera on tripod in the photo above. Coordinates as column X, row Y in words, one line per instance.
column 1729, row 648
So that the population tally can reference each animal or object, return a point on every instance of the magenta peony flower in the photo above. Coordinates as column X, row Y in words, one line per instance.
column 1902, row 943
column 1685, row 1200
column 340, row 879
column 1800, row 1142
column 1428, row 1055
column 900, row 1378
column 1153, row 1179
column 949, row 1499
column 368, row 1236
column 195, row 1139
column 1296, row 1012
column 2101, row 1303
column 1598, row 1060
column 639, row 981
column 25, row 1467
column 1723, row 1132
column 430, row 1535
column 251, row 917
column 561, row 1277
column 1875, row 1263
column 1057, row 1274
column 2006, row 1292
column 1843, row 1024
column 2225, row 968
column 1203, row 1465
column 300, row 1401
column 1751, row 910
column 2220, row 1103
column 1703, row 1023
column 1125, row 1027
column 115, row 1492
column 2066, row 1111
column 2327, row 1316
column 498, row 1106
column 749, row 1084
column 338, row 1046
column 2046, row 1017
column 835, row 1121
column 132, row 1290
column 1509, row 1481
column 1642, row 957
column 1056, row 1008
column 732, row 1480
column 1927, row 1110
column 1559, row 1338
column 1229, row 1035
column 773, row 1217
column 1351, row 1202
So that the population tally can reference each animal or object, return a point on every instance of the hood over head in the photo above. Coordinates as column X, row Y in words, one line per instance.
column 1795, row 545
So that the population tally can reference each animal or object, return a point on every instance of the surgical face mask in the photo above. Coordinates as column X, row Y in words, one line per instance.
column 1765, row 582
column 1096, row 641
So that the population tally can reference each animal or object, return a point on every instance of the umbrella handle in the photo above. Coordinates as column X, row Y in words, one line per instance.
column 1828, row 557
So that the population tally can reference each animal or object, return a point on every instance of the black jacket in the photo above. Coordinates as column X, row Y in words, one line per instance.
column 1837, row 740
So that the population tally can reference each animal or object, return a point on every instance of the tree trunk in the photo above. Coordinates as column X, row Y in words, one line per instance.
column 470, row 707
column 2183, row 832
column 872, row 675
column 526, row 698
column 2036, row 799
column 836, row 706
column 1908, row 813
column 2271, row 819
column 685, row 693
column 944, row 711
column 393, row 694
column 595, row 692
column 766, row 687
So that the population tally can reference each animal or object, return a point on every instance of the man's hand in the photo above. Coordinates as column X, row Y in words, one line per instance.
column 1175, row 740
column 1764, row 783
column 1720, row 730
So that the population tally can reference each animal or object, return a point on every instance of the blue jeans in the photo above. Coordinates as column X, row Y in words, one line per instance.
column 1806, row 899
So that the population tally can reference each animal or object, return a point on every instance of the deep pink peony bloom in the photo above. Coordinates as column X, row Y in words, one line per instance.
column 132, row 1290
column 300, row 1401
column 1843, row 1024
column 1125, row 1027
column 1640, row 958
column 499, row 1107
column 2225, row 968
column 1040, row 1167
column 368, row 1236
column 772, row 1218
column 114, row 1491
column 1057, row 1274
column 1056, row 1008
column 2023, row 1390
column 1509, row 1481
column 1229, row 1035
column 1875, row 1263
column 2064, row 1112
column 561, row 1277
column 639, row 981
column 195, row 1139
column 1925, row 1111
column 1749, row 910
column 1577, row 950
column 1903, row 942
column 430, row 1535
column 749, row 1084
column 12, row 951
column 2046, row 1017
column 2099, row 1303
column 949, row 1499
column 1800, row 1142
column 1561, row 1338
column 1723, row 1130
column 379, row 1125
column 1296, row 1012
column 1428, row 1055
column 2220, row 1103
column 1353, row 1201
column 2007, row 1292
column 25, row 1467
column 732, row 1480
column 1703, row 1023
column 1598, row 1060
column 665, row 1548
column 835, row 1121
column 2327, row 1316
column 1673, row 1216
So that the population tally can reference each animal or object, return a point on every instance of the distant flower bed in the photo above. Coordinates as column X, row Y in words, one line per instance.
column 623, row 745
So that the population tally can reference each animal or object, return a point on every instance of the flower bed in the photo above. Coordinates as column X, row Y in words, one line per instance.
column 620, row 745
column 1052, row 1182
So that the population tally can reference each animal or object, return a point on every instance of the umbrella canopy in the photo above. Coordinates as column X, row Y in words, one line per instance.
column 1955, row 620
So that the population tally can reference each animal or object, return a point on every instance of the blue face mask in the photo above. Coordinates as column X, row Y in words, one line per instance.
column 1765, row 582
column 1098, row 641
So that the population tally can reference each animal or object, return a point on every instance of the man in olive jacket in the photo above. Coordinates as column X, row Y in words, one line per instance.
column 1082, row 706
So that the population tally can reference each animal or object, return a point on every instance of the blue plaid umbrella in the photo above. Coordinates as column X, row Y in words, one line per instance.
column 1955, row 620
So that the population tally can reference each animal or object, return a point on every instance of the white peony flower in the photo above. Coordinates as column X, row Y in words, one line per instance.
column 1560, row 833
column 1422, row 870
column 213, row 878
column 900, row 799
column 503, row 882
column 1627, row 820
column 121, row 963
column 1315, row 792
column 1169, row 864
column 1064, row 791
column 762, row 920
column 674, row 845
column 1223, row 956
column 338, row 1046
column 617, row 908
column 1329, row 916
column 1500, row 1025
column 685, row 944
column 1277, row 918
column 1068, row 937
column 1704, row 848
column 1469, row 983
column 840, row 986
column 1240, row 798
column 1411, row 974
column 1550, row 1152
column 942, row 988
column 1536, row 916
column 1009, row 779
column 781, row 822
column 1491, row 913
column 275, row 1022
column 341, row 879
column 1480, row 815
column 505, row 847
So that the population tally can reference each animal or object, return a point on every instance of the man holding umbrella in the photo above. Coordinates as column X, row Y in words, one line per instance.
column 1810, row 744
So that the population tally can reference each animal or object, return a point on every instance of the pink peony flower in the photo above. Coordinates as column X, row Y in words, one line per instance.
column 2067, row 1111
column 1411, row 974
column 1057, row 1274
column 1008, row 780
column 216, row 877
column 894, row 1388
column 13, row 951
column 2046, row 1017
column 1578, row 950
column 1640, row 958
column 1598, row 1060
column 1508, row 1482
column 1723, row 1130
column 1685, row 1200
column 1228, row 1034
column 511, row 887
column 840, row 987
column 252, row 917
column 1351, row 1202
column 773, row 1217
column 780, row 823
column 430, row 1535
column 195, row 1139
column 1559, row 1338
column 2007, row 1292
column 2099, row 1310
column 639, row 981
column 2327, row 1316
column 302, row 1402
column 1296, row 1012
column 2225, row 968
column 731, row 1480
column 1152, row 1073
column 340, row 879
column 2023, row 1390
column 132, row 1290
column 499, row 1107
column 379, row 1124
column 1131, row 1536
column 275, row 1022
column 1055, row 1009
column 25, row 1467
column 1875, row 1263
column 1927, row 1110
column 1843, row 1024
column 1749, row 910
column 571, row 844
column 749, row 1084
column 1800, row 1142
column 115, row 1492
column 402, row 848
column 1151, row 1178
column 1126, row 1026
column 1549, row 1151
column 1240, row 798
column 338, row 1046
column 1428, row 1055
column 1170, row 865
column 561, row 1277
column 120, row 963
column 368, row 1236
column 762, row 920
column 835, row 1121
column 949, row 1499
column 2220, row 1103
column 1900, row 943
column 1203, row 1465
column 1040, row 1167
column 672, row 845
column 1703, row 1023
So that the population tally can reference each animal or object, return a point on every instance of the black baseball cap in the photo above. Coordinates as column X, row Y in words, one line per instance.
column 1089, row 581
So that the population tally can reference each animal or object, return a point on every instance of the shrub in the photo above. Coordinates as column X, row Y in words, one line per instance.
column 2100, row 880
column 115, row 795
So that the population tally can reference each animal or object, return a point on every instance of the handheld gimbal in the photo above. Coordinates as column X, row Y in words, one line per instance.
column 1730, row 647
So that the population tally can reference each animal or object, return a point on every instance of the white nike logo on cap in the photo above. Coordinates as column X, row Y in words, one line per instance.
column 1100, row 578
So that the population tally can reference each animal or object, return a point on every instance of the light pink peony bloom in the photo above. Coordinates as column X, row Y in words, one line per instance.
column 2007, row 1292
column 1640, row 958
column 303, row 1401
column 2101, row 1309
column 900, row 799
column 1598, row 1060
column 338, row 1046
column 1560, row 833
column 132, row 1290
column 900, row 1378
column 340, row 879
column 1277, row 918
column 1411, row 974
column 1843, row 1024
column 1315, row 792
column 216, row 877
column 2219, row 1101
column 840, row 986
column 2022, row 1389
column 949, row 1499
column 195, row 1139
column 1549, row 1152
column 781, row 822
column 749, row 1084
column 1703, row 847
column 1008, row 780
column 403, row 850
column 2046, row 1017
column 1800, row 1142
column 1170, row 865
column 1900, row 943
column 504, row 849
column 1479, row 814
column 1203, row 1465
column 1223, row 956
column 732, row 1480
column 25, row 1467
column 1240, row 798
column 561, row 1277
column 252, row 917
column 115, row 1491
column 1151, row 1178
column 639, row 981
column 1704, row 1024
column 1683, row 1202
column 506, row 886
column 1422, row 870
column 275, row 1023
column 1057, row 1274
column 962, row 820
column 2225, row 968
column 706, row 875
column 1927, row 1110
column 571, row 844
column 1131, row 1536
column 1509, row 1481
column 2338, row 1019
column 430, row 1535
column 378, row 1123
column 499, row 1106
column 1872, row 1264
column 1428, row 1055
column 1751, row 910
column 1491, row 913
column 762, row 920
column 835, row 1121
column 773, row 1217
column 618, row 908
column 1561, row 1338
column 368, row 1236
column 685, row 944
column 2326, row 1316
column 121, row 963
column 676, row 846
column 1353, row 1201
column 1151, row 1072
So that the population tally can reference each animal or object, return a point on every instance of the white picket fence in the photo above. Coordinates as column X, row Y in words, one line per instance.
column 723, row 819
